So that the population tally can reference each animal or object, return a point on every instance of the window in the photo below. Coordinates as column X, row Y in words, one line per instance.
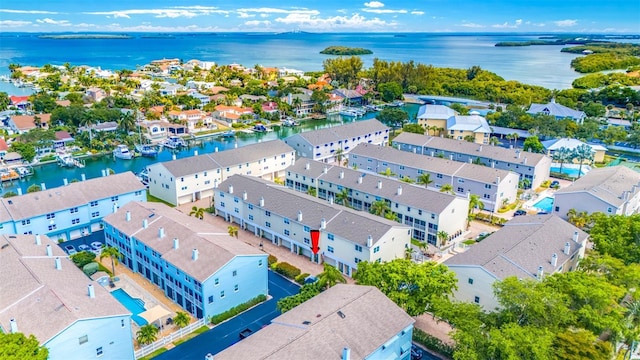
column 267, row 213
column 121, row 323
column 250, row 206
column 99, row 351
column 93, row 203
column 487, row 186
column 476, row 299
column 83, row 339
column 267, row 224
column 609, row 210
column 330, row 249
column 286, row 232
column 26, row 222
column 470, row 281
column 460, row 181
column 216, row 281
column 259, row 263
column 439, row 176
column 235, row 273
column 358, row 248
column 376, row 249
column 250, row 217
column 114, row 198
column 285, row 220
column 330, row 236
column 307, row 241
column 138, row 193
column 460, row 189
column 222, row 294
column 52, row 227
column 221, row 204
column 210, row 299
column 306, row 229
column 356, row 260
column 235, row 288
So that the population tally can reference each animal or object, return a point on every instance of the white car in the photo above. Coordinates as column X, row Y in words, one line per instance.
column 84, row 247
column 97, row 245
column 70, row 249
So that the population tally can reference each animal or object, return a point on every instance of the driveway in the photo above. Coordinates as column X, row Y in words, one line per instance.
column 226, row 334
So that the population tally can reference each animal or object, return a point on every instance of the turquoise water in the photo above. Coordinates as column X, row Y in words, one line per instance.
column 568, row 171
column 136, row 306
column 545, row 204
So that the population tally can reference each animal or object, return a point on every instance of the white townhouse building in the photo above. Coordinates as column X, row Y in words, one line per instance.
column 195, row 264
column 43, row 293
column 193, row 178
column 493, row 186
column 426, row 211
column 285, row 217
column 332, row 325
column 613, row 190
column 527, row 247
column 533, row 167
column 321, row 145
column 69, row 211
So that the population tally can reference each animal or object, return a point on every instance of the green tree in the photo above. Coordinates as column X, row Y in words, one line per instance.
column 461, row 109
column 306, row 292
column 34, row 188
column 393, row 116
column 114, row 254
column 379, row 207
column 533, row 144
column 387, row 172
column 583, row 153
column 181, row 319
column 330, row 276
column 411, row 286
column 9, row 194
column 443, row 236
column 339, row 154
column 475, row 203
column 562, row 155
column 617, row 236
column 390, row 91
column 198, row 212
column 18, row 347
column 147, row 334
column 233, row 231
column 425, row 179
column 343, row 197
column 447, row 188
column 26, row 150
column 580, row 344
column 413, row 128
column 344, row 70
column 4, row 101
column 312, row 191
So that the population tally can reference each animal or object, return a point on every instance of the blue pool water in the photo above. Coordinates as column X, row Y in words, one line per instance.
column 136, row 306
column 568, row 171
column 546, row 204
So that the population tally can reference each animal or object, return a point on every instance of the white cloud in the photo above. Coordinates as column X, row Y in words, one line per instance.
column 175, row 12
column 279, row 11
column 356, row 21
column 507, row 25
column 264, row 15
column 417, row 12
column 374, row 4
column 13, row 23
column 54, row 22
column 244, row 15
column 566, row 23
column 518, row 22
column 11, row 11
column 257, row 23
column 471, row 25
column 384, row 11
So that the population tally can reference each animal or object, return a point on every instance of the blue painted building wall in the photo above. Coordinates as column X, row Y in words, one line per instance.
column 397, row 347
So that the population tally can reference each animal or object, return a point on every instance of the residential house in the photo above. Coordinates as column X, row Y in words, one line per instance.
column 70, row 211
column 170, row 89
column 426, row 211
column 252, row 98
column 200, row 85
column 95, row 94
column 155, row 129
column 472, row 126
column 334, row 104
column 434, row 117
column 62, row 139
column 232, row 114
column 270, row 107
column 552, row 145
column 177, row 129
column 527, row 247
column 302, row 104
column 4, row 148
column 282, row 72
column 217, row 89
column 193, row 119
column 21, row 124
column 107, row 126
column 203, row 65
column 63, row 103
column 19, row 102
column 533, row 168
column 613, row 190
column 189, row 179
column 44, row 294
column 204, row 99
column 330, row 326
column 195, row 264
column 352, row 97
column 558, row 111
column 493, row 187
column 285, row 217
column 322, row 144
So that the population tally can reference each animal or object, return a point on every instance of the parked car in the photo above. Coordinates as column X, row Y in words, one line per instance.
column 248, row 331
column 482, row 235
column 543, row 213
column 70, row 249
column 555, row 184
column 519, row 212
column 84, row 247
column 416, row 352
column 97, row 245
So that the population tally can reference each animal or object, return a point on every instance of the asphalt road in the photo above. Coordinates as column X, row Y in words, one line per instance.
column 227, row 333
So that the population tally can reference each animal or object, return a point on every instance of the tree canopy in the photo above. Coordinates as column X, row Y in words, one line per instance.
column 19, row 347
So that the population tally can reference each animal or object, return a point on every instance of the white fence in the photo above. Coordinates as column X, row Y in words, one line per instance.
column 169, row 338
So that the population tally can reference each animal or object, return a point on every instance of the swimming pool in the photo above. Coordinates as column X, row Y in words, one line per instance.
column 569, row 171
column 136, row 306
column 546, row 205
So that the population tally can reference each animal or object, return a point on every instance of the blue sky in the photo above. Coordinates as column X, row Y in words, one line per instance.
column 610, row 16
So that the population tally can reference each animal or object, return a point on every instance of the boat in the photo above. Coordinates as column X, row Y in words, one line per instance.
column 246, row 131
column 396, row 103
column 65, row 160
column 9, row 175
column 373, row 108
column 147, row 150
column 143, row 177
column 289, row 122
column 260, row 128
column 228, row 134
column 122, row 152
column 352, row 112
column 174, row 142
column 24, row 171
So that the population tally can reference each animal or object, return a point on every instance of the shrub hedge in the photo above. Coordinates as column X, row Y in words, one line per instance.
column 287, row 270
column 272, row 260
column 495, row 220
column 301, row 278
column 217, row 319
column 432, row 343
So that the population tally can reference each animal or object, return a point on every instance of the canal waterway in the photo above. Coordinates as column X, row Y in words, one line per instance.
column 52, row 175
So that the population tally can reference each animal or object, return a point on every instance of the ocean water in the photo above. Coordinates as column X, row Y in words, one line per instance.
column 538, row 65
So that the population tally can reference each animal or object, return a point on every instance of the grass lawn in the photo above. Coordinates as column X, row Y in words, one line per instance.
column 153, row 354
column 151, row 198
column 469, row 242
column 197, row 332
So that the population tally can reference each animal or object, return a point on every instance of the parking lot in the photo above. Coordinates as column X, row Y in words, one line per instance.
column 228, row 333
column 84, row 243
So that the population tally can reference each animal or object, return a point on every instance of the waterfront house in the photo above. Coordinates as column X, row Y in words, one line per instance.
column 434, row 118
column 427, row 211
column 4, row 148
column 200, row 85
column 532, row 167
column 189, row 179
column 193, row 119
column 301, row 103
column 472, row 126
column 44, row 294
column 613, row 190
column 107, row 126
column 330, row 326
column 232, row 114
column 19, row 102
column 195, row 264
column 493, row 186
column 351, row 97
column 558, row 111
column 552, row 145
column 270, row 107
column 322, row 144
column 70, row 211
column 527, row 247
column 21, row 124
column 154, row 129
column 283, row 71
column 285, row 217
column 252, row 98
column 62, row 139
column 95, row 94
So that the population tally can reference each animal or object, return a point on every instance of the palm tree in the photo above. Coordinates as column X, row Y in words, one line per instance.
column 127, row 123
column 233, row 231
column 632, row 319
column 339, row 156
column 425, row 179
column 181, row 319
column 562, row 156
column 388, row 173
column 198, row 212
column 379, row 208
column 312, row 191
column 408, row 180
column 147, row 334
column 475, row 203
column 494, row 141
column 408, row 252
column 330, row 276
column 443, row 236
column 447, row 188
column 343, row 197
column 390, row 215
column 115, row 256
column 515, row 137
column 583, row 152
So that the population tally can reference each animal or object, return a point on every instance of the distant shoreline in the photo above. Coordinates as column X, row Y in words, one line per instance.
column 344, row 50
column 86, row 36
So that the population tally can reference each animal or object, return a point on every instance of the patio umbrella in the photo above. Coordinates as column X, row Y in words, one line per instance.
column 155, row 313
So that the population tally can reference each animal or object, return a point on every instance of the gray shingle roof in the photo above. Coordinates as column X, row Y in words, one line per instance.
column 556, row 110
column 351, row 225
column 464, row 147
column 521, row 246
column 443, row 166
column 44, row 301
column 607, row 183
column 435, row 112
column 75, row 194
column 416, row 196
column 215, row 246
column 474, row 123
column 346, row 131
column 316, row 330
column 249, row 153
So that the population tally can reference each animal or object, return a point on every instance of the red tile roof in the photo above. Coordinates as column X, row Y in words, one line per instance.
column 15, row 100
column 3, row 145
